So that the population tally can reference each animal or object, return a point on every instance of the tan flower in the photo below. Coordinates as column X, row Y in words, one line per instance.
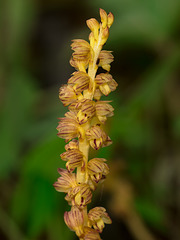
column 68, row 128
column 86, row 112
column 106, row 83
column 80, row 195
column 67, row 95
column 105, row 59
column 80, row 81
column 82, row 50
column 66, row 182
column 104, row 110
column 91, row 234
column 97, row 169
column 97, row 217
column 97, row 137
column 74, row 220
column 79, row 65
column 74, row 159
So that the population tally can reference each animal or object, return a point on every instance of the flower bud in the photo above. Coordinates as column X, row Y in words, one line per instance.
column 104, row 17
column 110, row 19
column 74, row 144
column 93, row 25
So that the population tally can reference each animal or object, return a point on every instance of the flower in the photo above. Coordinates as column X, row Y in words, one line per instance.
column 74, row 220
column 74, row 144
column 66, row 182
column 80, row 195
column 105, row 59
column 97, row 169
column 74, row 159
column 97, row 217
column 104, row 110
column 67, row 95
column 91, row 234
column 82, row 50
column 97, row 137
column 106, row 83
column 79, row 81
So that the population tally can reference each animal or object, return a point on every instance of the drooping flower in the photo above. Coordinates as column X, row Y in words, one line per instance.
column 74, row 159
column 80, row 195
column 97, row 169
column 66, row 182
column 106, row 83
column 97, row 137
column 105, row 59
column 104, row 110
column 80, row 81
column 67, row 95
column 74, row 220
column 82, row 50
column 91, row 234
column 97, row 217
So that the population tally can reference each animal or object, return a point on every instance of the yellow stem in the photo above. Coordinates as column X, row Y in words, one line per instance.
column 82, row 176
column 92, row 65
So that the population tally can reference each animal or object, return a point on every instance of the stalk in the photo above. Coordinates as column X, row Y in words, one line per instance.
column 82, row 126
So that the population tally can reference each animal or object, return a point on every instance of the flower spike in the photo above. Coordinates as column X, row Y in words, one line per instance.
column 82, row 128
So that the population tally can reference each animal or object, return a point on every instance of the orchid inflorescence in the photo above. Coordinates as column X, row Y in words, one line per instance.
column 82, row 128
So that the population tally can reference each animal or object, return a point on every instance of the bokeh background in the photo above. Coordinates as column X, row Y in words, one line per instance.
column 142, row 194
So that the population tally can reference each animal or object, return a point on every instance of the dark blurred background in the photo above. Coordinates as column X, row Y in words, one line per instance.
column 142, row 194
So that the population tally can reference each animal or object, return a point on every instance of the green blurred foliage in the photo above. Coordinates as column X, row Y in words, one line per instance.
column 145, row 129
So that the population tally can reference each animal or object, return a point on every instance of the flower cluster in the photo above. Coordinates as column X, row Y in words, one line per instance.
column 82, row 128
